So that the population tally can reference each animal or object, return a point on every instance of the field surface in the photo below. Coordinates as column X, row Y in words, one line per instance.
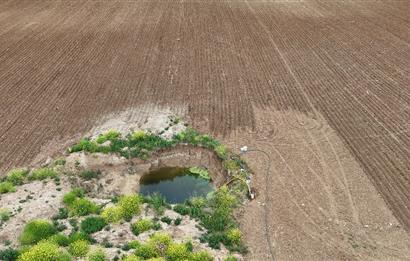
column 320, row 88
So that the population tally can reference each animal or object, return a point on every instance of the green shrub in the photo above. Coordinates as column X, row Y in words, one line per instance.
column 166, row 219
column 85, row 145
column 92, row 224
column 201, row 172
column 79, row 248
column 133, row 244
column 157, row 202
column 97, row 255
column 201, row 256
column 160, row 242
column 44, row 251
column 5, row 214
column 42, row 174
column 177, row 221
column 71, row 196
column 112, row 214
column 37, row 230
column 181, row 209
column 60, row 162
column 131, row 258
column 129, row 206
column 234, row 236
column 59, row 239
column 176, row 252
column 62, row 214
column 146, row 251
column 230, row 258
column 6, row 187
column 83, row 207
column 221, row 151
column 141, row 226
column 9, row 254
column 90, row 174
column 111, row 135
column 17, row 176
column 76, row 236
column 231, row 165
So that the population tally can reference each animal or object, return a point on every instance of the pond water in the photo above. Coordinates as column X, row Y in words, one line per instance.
column 175, row 184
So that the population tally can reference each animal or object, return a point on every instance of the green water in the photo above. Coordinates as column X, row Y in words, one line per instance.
column 175, row 184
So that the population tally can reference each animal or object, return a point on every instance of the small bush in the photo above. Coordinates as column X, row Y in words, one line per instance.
column 42, row 174
column 44, row 251
column 76, row 236
column 166, row 219
column 141, row 226
column 160, row 242
column 90, row 174
column 79, row 248
column 112, row 214
column 221, row 151
column 111, row 135
column 176, row 252
column 5, row 215
column 17, row 176
column 37, row 230
column 129, row 206
column 146, row 251
column 133, row 244
column 60, row 162
column 97, row 255
column 201, row 256
column 234, row 236
column 230, row 258
column 6, row 187
column 9, row 254
column 131, row 258
column 181, row 209
column 157, row 202
column 59, row 239
column 83, row 207
column 62, row 214
column 92, row 224
column 71, row 196
column 178, row 221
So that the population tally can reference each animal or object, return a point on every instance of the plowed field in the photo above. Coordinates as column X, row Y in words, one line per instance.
column 323, row 87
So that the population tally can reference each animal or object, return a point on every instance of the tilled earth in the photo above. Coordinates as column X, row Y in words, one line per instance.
column 321, row 86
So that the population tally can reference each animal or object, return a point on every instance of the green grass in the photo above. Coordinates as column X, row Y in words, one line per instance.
column 92, row 224
column 141, row 226
column 17, row 176
column 7, row 187
column 42, row 174
column 36, row 231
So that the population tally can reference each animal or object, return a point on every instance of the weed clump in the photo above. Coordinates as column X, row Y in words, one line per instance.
column 6, row 187
column 79, row 248
column 42, row 174
column 17, row 176
column 92, row 224
column 37, row 230
column 141, row 226
column 44, row 251
column 97, row 255
column 77, row 204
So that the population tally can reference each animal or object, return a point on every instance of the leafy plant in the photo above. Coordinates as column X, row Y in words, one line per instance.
column 141, row 226
column 42, row 174
column 71, row 196
column 59, row 239
column 62, row 214
column 37, row 230
column 90, row 174
column 201, row 172
column 234, row 236
column 166, row 219
column 44, row 251
column 6, row 187
column 176, row 252
column 201, row 256
column 129, row 206
column 92, row 224
column 9, row 254
column 181, row 209
column 112, row 214
column 17, row 176
column 157, row 202
column 5, row 214
column 79, row 248
column 97, row 255
column 83, row 207
column 178, row 221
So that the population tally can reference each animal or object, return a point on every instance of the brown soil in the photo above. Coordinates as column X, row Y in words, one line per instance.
column 341, row 66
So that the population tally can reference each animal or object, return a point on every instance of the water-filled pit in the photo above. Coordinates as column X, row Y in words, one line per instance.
column 176, row 184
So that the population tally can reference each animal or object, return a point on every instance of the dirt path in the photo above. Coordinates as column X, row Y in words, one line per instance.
column 320, row 204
